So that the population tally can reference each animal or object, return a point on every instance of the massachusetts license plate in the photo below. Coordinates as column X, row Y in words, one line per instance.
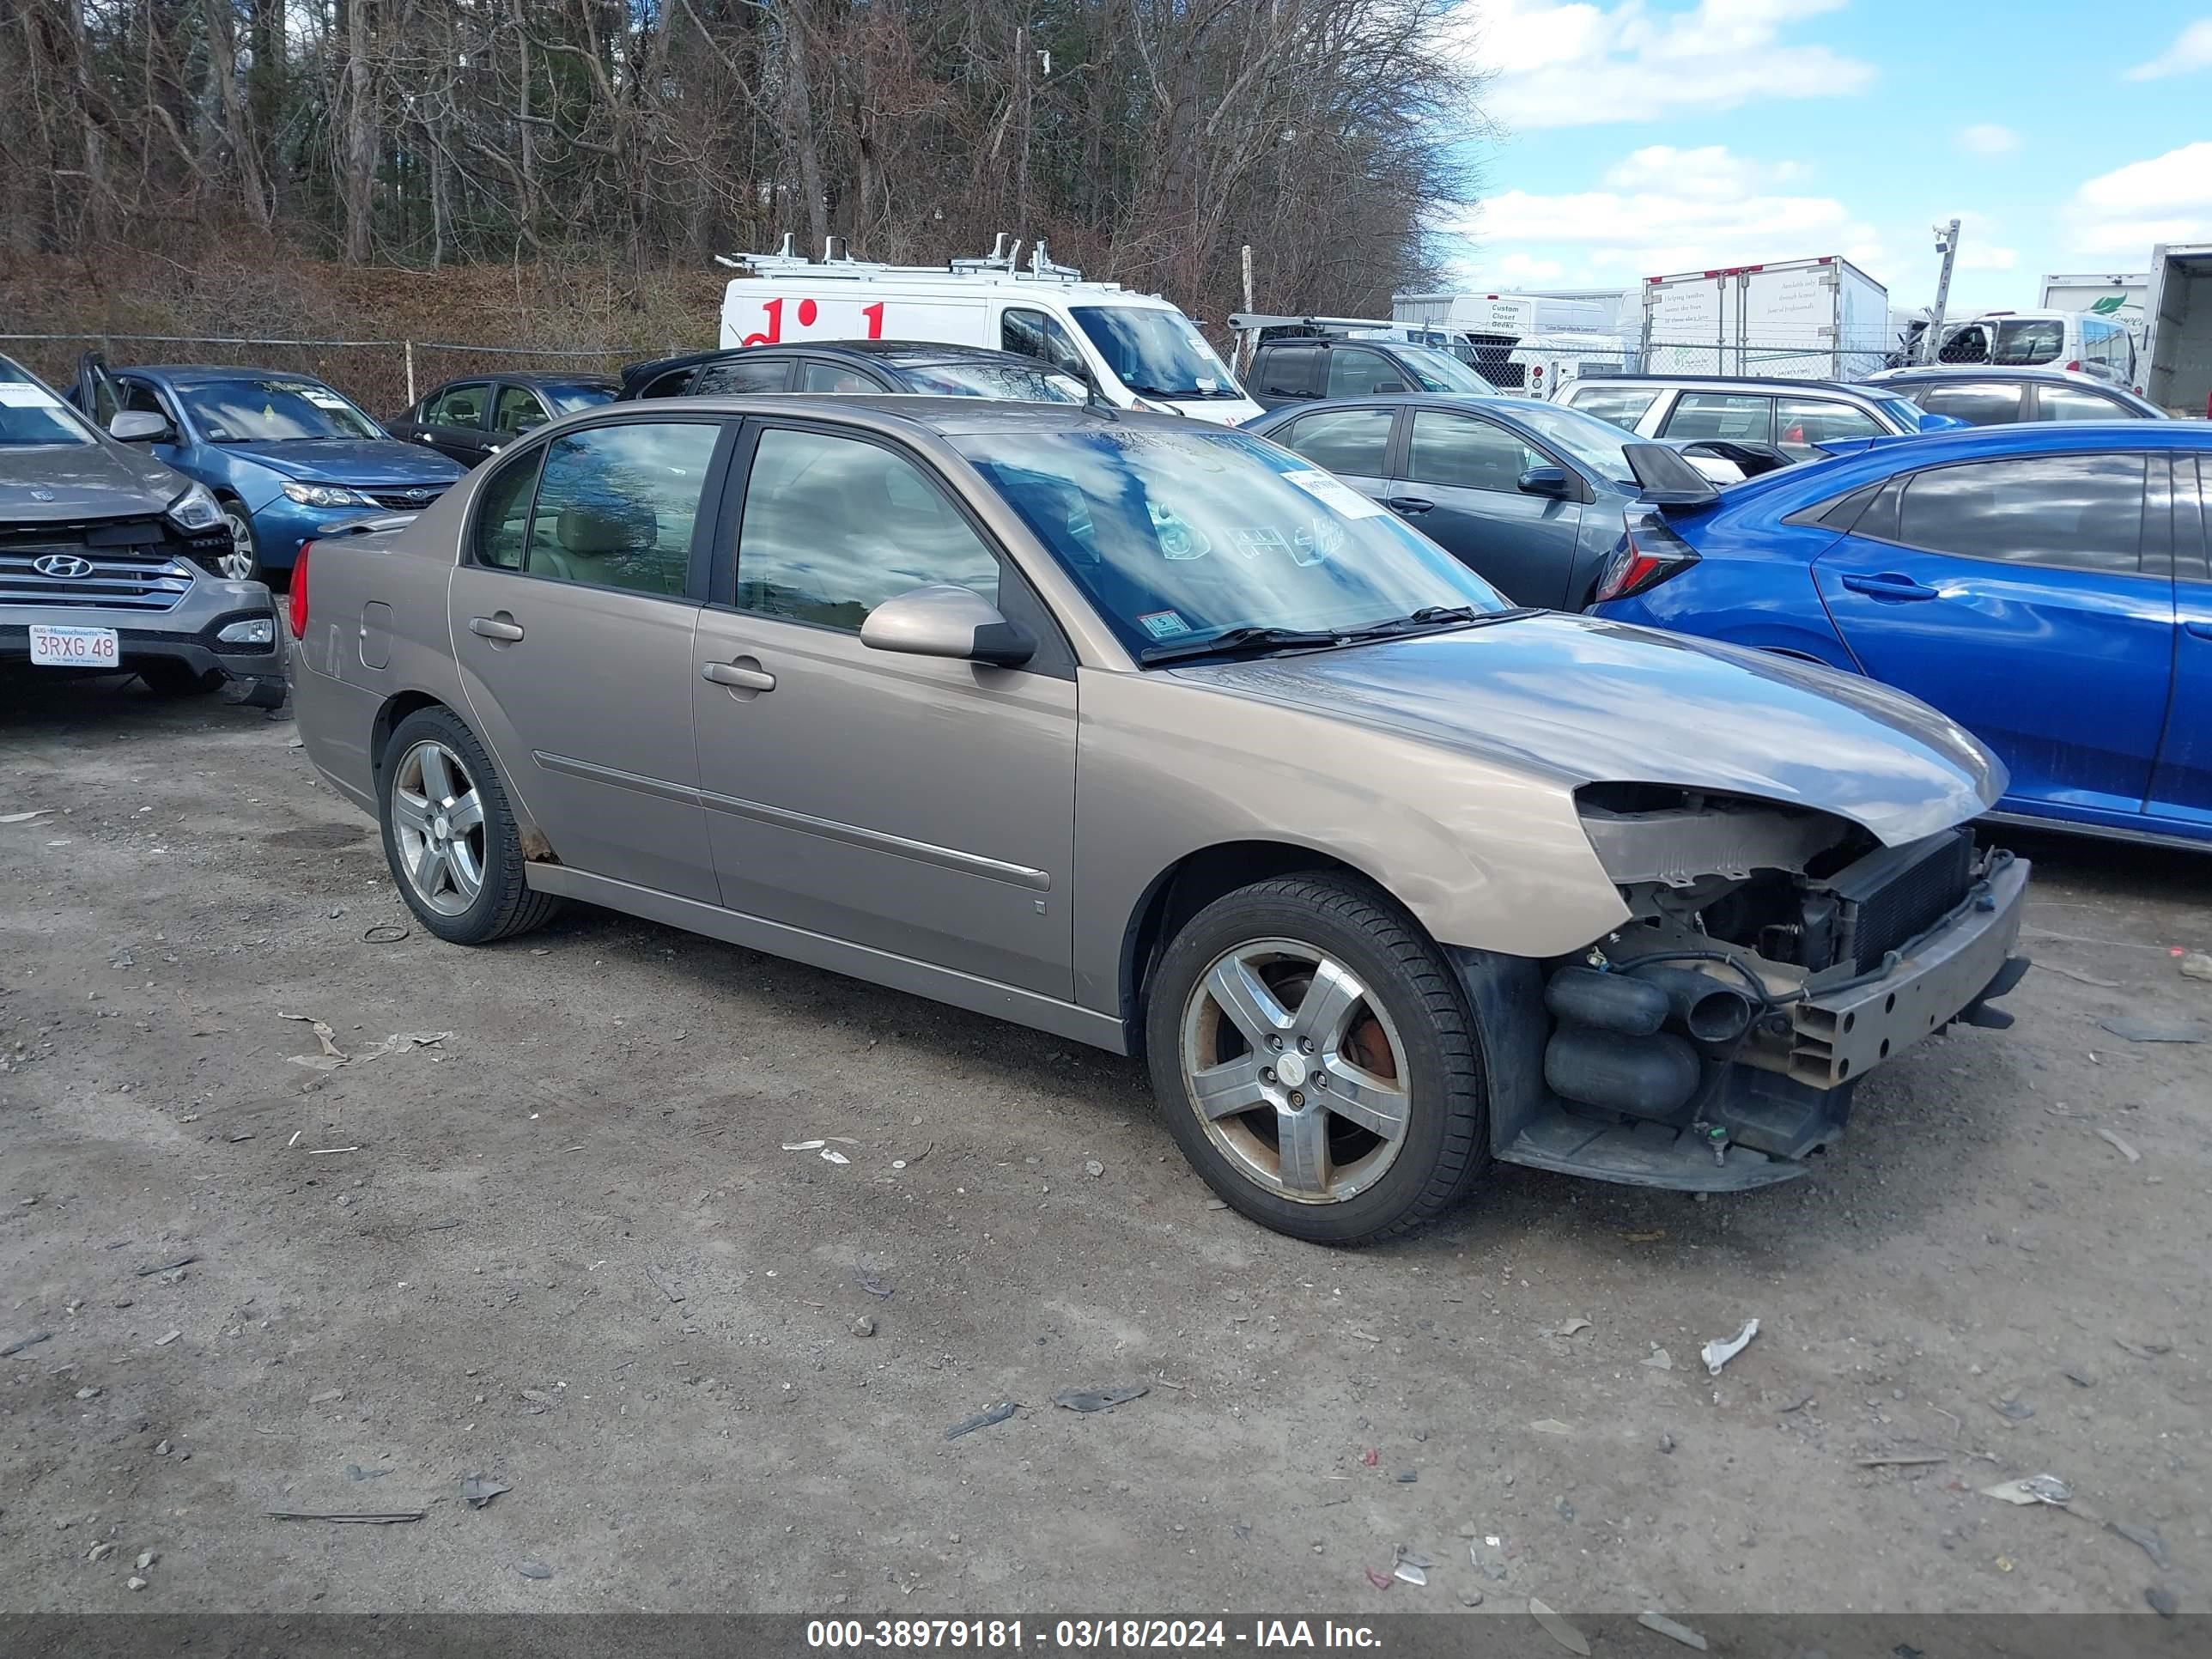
column 75, row 648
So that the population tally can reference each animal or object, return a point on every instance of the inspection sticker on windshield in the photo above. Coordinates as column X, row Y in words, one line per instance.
column 322, row 399
column 1163, row 624
column 1333, row 492
column 16, row 394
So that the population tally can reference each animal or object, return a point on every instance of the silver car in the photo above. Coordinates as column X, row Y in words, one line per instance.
column 1149, row 734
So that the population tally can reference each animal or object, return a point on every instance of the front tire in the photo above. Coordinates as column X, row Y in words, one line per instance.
column 1315, row 1059
column 450, row 835
column 243, row 562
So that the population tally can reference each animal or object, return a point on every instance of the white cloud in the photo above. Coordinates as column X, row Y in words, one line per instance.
column 1667, row 210
column 1988, row 138
column 1979, row 245
column 1525, row 268
column 2192, row 50
column 1579, row 64
column 2167, row 199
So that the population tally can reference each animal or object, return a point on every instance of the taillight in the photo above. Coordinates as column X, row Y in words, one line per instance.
column 299, row 612
column 2074, row 368
column 1639, row 567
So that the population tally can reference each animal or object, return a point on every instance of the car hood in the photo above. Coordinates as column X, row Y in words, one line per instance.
column 1584, row 701
column 377, row 462
column 86, row 481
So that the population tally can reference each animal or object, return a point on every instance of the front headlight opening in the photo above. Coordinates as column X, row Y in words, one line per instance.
column 256, row 630
column 315, row 495
column 195, row 510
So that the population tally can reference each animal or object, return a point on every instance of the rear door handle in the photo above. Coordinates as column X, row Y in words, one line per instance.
column 1890, row 586
column 1408, row 504
column 739, row 677
column 496, row 628
column 2203, row 630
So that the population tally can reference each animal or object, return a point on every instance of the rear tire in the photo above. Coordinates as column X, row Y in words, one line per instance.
column 1346, row 1097
column 169, row 678
column 450, row 835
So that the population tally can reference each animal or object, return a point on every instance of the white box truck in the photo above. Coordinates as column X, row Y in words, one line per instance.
column 1820, row 318
column 1137, row 349
column 2179, row 314
column 1530, row 344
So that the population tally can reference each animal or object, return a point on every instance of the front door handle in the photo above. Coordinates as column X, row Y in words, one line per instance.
column 743, row 675
column 1408, row 504
column 502, row 628
column 1888, row 585
column 2203, row 630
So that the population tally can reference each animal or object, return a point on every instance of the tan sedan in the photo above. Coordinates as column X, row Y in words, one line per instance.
column 1147, row 735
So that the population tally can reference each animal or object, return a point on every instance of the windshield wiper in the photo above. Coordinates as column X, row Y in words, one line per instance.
column 1438, row 615
column 1238, row 640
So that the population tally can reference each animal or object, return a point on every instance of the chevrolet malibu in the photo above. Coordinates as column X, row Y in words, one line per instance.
column 1152, row 736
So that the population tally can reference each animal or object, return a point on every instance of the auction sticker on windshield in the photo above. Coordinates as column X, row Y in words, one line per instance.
column 74, row 647
column 1163, row 624
column 1333, row 492
column 15, row 394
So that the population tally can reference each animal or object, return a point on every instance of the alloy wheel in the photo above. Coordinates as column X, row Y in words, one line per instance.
column 1296, row 1071
column 437, row 819
column 238, row 564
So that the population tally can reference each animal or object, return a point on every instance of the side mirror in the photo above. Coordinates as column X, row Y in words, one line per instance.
column 941, row 620
column 139, row 425
column 1550, row 481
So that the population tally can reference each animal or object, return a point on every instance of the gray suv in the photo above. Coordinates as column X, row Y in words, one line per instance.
column 108, row 559
column 1797, row 416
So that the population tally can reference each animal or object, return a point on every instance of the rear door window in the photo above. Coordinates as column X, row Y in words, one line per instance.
column 518, row 410
column 458, row 405
column 1976, row 403
column 816, row 376
column 1354, row 440
column 616, row 505
column 1737, row 416
column 2063, row 512
column 735, row 376
column 1622, row 406
column 1289, row 371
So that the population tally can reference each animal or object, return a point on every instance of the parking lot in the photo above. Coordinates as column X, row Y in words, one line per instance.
column 568, row 1247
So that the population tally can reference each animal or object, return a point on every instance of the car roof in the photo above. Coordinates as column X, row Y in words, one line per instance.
column 1988, row 372
column 945, row 417
column 530, row 377
column 198, row 373
column 1757, row 382
column 915, row 352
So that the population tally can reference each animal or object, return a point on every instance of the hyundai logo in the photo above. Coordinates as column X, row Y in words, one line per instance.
column 62, row 566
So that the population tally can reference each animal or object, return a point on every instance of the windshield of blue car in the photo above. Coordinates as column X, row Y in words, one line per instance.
column 1156, row 353
column 1596, row 444
column 1439, row 371
column 1008, row 382
column 32, row 417
column 2029, row 341
column 567, row 399
column 1180, row 536
column 272, row 411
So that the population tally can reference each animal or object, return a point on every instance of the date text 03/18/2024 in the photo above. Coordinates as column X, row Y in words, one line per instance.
column 1083, row 1635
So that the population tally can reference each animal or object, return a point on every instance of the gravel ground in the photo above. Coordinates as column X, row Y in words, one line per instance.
column 565, row 1247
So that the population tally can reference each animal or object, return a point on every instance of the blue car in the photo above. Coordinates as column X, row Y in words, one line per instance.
column 283, row 454
column 2044, row 586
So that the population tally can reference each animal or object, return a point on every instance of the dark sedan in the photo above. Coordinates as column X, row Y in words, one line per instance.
column 1533, row 496
column 470, row 419
column 928, row 369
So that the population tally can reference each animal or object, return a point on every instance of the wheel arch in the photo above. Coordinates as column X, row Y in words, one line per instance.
column 397, row 707
column 1194, row 881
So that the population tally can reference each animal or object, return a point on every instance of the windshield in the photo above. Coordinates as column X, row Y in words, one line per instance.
column 1439, row 371
column 1179, row 536
column 1006, row 381
column 32, row 417
column 1156, row 353
column 2029, row 341
column 567, row 399
column 265, row 412
column 1596, row 444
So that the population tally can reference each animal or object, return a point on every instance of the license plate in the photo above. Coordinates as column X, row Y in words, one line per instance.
column 75, row 648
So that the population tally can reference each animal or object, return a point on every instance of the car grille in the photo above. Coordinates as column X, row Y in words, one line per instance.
column 1893, row 896
column 406, row 500
column 126, row 565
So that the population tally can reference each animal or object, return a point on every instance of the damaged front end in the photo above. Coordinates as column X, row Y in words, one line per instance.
column 1775, row 955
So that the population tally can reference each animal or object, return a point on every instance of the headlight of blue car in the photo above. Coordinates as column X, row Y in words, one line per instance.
column 315, row 495
column 195, row 510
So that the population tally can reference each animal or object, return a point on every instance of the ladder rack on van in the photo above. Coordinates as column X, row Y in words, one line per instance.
column 1000, row 265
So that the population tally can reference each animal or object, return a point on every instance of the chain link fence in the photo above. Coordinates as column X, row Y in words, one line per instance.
column 383, row 376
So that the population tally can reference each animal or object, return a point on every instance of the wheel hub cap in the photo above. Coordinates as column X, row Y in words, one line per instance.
column 1295, row 1071
column 437, row 827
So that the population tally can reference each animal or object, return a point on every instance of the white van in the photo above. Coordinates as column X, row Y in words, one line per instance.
column 1137, row 350
column 2073, row 340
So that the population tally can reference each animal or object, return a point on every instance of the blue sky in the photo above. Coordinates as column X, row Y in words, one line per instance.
column 1641, row 137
